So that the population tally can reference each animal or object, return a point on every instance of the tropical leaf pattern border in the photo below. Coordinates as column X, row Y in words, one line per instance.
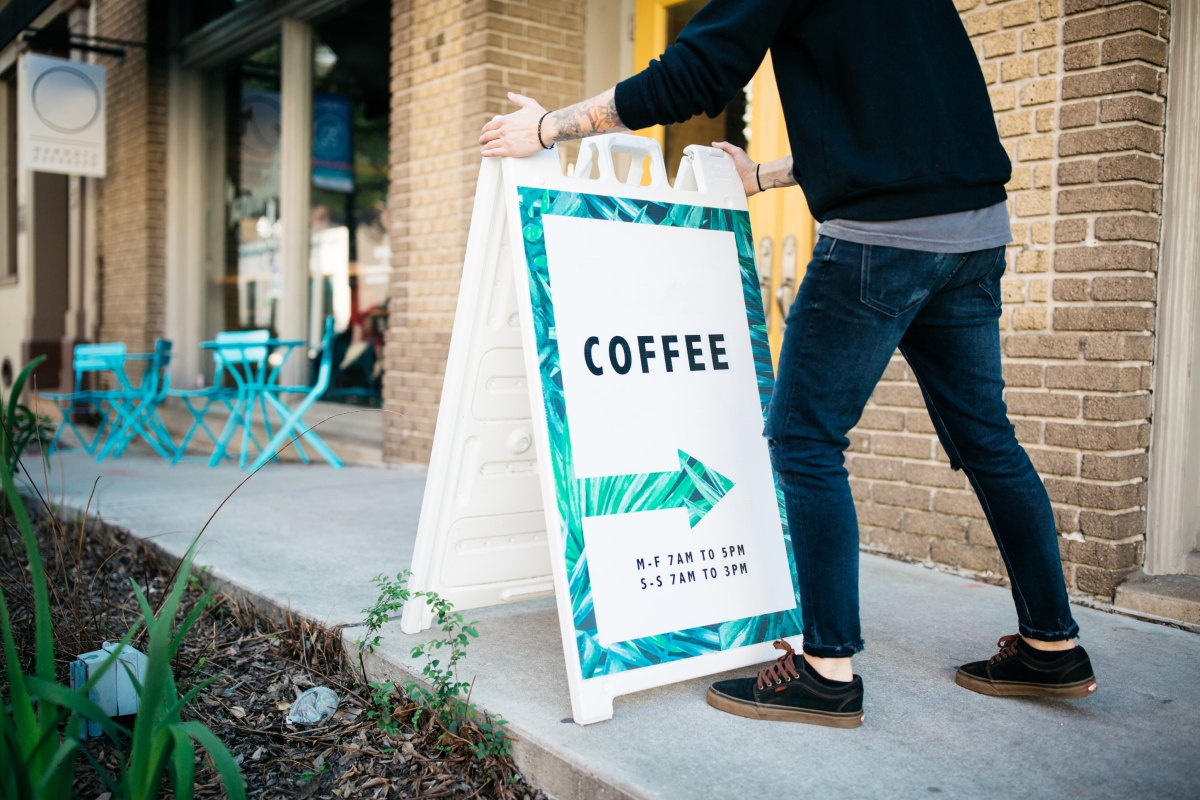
column 594, row 659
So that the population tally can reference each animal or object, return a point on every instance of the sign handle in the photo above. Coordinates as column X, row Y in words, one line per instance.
column 600, row 149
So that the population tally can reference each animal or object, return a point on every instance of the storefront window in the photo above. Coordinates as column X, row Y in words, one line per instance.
column 350, row 258
column 349, row 261
column 252, row 264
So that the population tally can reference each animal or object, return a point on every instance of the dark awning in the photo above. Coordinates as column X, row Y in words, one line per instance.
column 16, row 17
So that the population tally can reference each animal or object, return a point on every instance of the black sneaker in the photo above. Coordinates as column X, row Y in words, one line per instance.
column 786, row 693
column 1019, row 671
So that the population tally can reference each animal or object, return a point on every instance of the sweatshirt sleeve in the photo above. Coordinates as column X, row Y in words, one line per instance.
column 715, row 56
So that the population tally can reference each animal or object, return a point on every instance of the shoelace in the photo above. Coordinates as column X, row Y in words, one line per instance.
column 784, row 668
column 1008, row 647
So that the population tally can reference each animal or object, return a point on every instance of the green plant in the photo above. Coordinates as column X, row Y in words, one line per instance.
column 383, row 696
column 196, row 580
column 19, row 426
column 494, row 741
column 309, row 775
column 37, row 761
column 393, row 594
column 160, row 739
column 444, row 698
column 29, row 762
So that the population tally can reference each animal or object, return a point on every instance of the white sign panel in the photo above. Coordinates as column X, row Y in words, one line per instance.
column 61, row 116
column 670, row 367
column 600, row 432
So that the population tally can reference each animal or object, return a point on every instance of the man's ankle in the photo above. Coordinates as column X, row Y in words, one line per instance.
column 835, row 669
column 1038, row 644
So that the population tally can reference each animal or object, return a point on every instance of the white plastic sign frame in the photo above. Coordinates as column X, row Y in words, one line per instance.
column 687, row 568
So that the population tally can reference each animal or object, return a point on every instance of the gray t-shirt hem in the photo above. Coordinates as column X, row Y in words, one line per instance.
column 960, row 232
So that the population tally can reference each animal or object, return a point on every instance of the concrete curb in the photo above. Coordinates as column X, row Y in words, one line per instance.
column 548, row 767
column 541, row 763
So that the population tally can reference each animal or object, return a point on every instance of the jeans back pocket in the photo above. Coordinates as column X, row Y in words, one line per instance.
column 990, row 283
column 896, row 280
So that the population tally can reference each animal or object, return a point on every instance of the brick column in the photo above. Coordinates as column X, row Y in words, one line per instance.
column 131, row 207
column 1077, row 87
column 452, row 63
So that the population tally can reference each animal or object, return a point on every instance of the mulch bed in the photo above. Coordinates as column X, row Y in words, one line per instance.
column 264, row 661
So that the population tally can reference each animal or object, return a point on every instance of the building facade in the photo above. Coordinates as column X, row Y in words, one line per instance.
column 270, row 163
column 1079, row 90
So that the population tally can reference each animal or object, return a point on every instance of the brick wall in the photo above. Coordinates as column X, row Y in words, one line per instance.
column 1077, row 87
column 452, row 63
column 132, row 197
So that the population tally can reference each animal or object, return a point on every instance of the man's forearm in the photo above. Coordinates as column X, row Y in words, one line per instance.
column 777, row 174
column 597, row 115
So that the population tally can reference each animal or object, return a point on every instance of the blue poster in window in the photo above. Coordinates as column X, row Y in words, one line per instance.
column 333, row 153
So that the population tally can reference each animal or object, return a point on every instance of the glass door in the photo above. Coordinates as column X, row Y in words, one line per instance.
column 253, row 265
column 350, row 260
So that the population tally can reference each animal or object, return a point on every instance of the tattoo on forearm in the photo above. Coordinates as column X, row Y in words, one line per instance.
column 790, row 180
column 584, row 119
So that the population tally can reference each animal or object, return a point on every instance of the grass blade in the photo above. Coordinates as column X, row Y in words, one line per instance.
column 231, row 776
column 150, row 744
column 59, row 761
column 183, row 764
column 17, row 387
column 25, row 727
column 174, row 711
column 190, row 620
column 43, row 631
column 16, row 781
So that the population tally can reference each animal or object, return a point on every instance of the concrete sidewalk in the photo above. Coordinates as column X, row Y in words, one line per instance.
column 314, row 537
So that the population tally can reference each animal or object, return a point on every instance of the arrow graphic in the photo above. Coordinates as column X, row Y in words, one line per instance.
column 693, row 486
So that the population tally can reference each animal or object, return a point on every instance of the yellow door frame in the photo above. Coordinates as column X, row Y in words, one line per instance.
column 649, row 41
column 781, row 215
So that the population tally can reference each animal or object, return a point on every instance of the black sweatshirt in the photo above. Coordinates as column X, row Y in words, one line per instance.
column 885, row 104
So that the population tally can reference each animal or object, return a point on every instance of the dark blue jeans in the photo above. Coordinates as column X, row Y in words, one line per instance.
column 856, row 305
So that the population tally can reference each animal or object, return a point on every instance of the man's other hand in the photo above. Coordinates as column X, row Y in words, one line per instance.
column 514, row 134
column 742, row 163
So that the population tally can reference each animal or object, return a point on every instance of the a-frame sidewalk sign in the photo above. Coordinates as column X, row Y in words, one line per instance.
column 600, row 431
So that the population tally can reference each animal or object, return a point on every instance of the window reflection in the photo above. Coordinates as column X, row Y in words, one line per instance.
column 350, row 257
column 252, row 262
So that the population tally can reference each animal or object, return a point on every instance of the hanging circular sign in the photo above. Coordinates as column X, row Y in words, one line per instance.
column 66, row 100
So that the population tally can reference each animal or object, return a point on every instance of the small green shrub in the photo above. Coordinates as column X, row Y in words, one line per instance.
column 444, row 698
column 383, row 695
column 448, row 697
column 393, row 594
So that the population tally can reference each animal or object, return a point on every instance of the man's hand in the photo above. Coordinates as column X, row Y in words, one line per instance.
column 517, row 134
column 514, row 134
column 771, row 175
column 742, row 163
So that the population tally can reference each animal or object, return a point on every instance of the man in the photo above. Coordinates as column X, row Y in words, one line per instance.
column 896, row 149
